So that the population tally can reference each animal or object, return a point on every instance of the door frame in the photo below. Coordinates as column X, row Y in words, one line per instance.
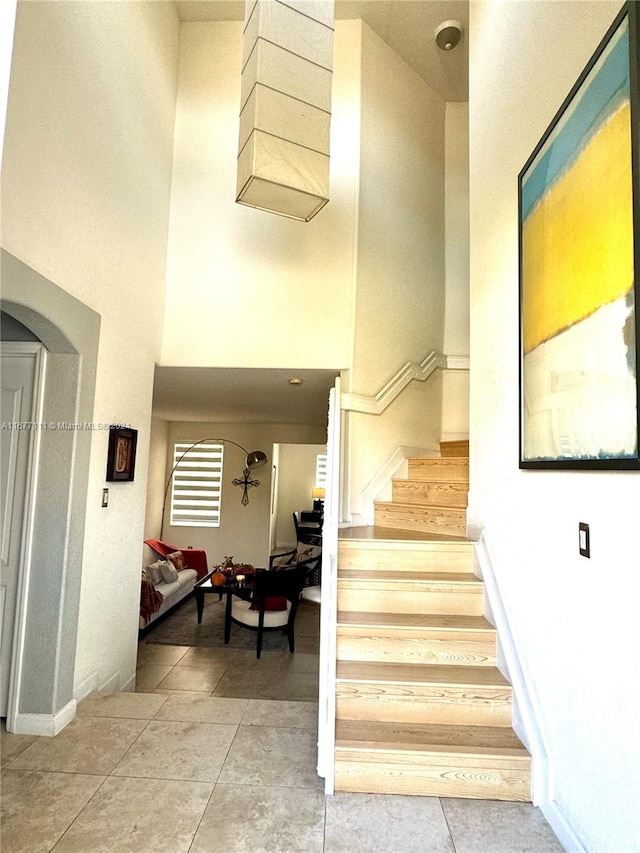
column 38, row 352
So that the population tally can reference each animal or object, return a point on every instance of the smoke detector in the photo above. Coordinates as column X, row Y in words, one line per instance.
column 448, row 35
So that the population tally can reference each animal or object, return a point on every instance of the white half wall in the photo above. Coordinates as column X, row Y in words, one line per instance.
column 574, row 620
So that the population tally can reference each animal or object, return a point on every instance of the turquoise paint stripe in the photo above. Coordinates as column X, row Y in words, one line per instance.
column 608, row 89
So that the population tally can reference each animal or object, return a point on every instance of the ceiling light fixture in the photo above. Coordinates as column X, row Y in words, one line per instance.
column 295, row 381
column 448, row 35
column 285, row 107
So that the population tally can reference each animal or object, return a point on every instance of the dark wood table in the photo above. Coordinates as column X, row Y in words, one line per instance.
column 230, row 587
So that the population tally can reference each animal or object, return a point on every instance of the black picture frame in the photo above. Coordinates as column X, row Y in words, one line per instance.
column 579, row 256
column 121, row 454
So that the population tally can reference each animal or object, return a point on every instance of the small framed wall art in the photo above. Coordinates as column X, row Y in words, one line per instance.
column 579, row 242
column 121, row 456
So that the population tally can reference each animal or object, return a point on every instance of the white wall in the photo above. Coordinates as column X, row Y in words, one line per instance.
column 400, row 295
column 85, row 194
column 575, row 621
column 261, row 290
column 244, row 531
column 401, row 285
column 455, row 383
column 456, row 211
column 8, row 21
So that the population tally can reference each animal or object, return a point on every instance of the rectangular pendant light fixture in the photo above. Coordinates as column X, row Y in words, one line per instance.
column 285, row 114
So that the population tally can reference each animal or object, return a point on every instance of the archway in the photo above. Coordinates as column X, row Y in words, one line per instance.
column 41, row 698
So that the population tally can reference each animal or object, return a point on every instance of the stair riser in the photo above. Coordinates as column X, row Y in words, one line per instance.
column 425, row 493
column 436, row 704
column 387, row 598
column 424, row 559
column 450, row 648
column 455, row 448
column 449, row 522
column 436, row 776
column 439, row 469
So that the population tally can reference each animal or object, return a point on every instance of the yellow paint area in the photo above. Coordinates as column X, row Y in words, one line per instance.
column 578, row 242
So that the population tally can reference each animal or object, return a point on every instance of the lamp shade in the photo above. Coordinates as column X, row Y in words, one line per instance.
column 285, row 112
column 256, row 459
column 317, row 494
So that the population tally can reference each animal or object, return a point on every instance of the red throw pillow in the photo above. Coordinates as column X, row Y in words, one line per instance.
column 272, row 602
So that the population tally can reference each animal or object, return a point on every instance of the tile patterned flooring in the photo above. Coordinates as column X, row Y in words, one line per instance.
column 216, row 752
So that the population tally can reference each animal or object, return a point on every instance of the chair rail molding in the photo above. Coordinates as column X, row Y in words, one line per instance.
column 422, row 371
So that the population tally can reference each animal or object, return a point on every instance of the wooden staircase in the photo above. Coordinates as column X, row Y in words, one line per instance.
column 421, row 707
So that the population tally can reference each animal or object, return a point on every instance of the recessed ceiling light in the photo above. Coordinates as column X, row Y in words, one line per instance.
column 295, row 381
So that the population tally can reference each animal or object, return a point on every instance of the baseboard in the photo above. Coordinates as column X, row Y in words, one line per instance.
column 532, row 734
column 89, row 685
column 111, row 685
column 46, row 725
column 565, row 835
column 130, row 685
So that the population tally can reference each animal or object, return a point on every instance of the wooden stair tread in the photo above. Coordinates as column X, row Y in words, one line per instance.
column 407, row 673
column 414, row 577
column 457, row 510
column 427, row 737
column 414, row 620
column 458, row 485
column 390, row 535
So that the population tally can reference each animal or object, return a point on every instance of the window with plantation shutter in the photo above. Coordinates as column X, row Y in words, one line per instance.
column 196, row 490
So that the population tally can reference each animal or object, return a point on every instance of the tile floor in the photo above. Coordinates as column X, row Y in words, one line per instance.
column 216, row 752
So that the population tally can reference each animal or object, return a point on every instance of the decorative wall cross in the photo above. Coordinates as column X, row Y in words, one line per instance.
column 245, row 481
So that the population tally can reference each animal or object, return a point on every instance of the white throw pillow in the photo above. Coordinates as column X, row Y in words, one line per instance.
column 169, row 573
column 154, row 573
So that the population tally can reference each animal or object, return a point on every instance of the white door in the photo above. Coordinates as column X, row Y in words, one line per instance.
column 18, row 436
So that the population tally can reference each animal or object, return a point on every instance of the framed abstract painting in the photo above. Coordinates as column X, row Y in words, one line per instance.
column 579, row 241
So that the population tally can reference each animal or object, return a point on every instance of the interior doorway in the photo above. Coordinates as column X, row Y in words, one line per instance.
column 294, row 482
column 22, row 373
column 39, row 699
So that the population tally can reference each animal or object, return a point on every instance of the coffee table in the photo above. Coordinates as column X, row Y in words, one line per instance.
column 230, row 587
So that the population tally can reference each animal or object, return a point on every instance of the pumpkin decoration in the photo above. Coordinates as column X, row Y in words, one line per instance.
column 218, row 579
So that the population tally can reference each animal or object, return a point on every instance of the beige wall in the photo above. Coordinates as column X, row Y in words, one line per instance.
column 157, row 477
column 85, row 196
column 296, row 478
column 244, row 531
column 247, row 288
column 575, row 620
